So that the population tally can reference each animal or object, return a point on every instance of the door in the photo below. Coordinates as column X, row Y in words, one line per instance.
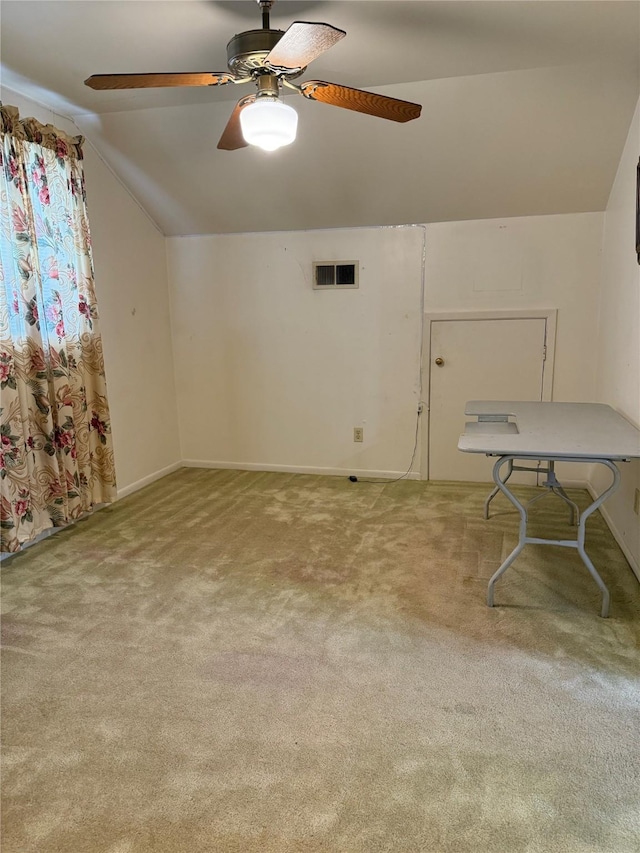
column 478, row 359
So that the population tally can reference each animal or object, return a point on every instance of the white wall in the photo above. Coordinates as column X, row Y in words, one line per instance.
column 272, row 373
column 529, row 262
column 618, row 350
column 133, row 301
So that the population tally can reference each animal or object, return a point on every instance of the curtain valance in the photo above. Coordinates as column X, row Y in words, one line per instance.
column 46, row 135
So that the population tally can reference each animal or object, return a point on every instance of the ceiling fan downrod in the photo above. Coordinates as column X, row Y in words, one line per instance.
column 265, row 6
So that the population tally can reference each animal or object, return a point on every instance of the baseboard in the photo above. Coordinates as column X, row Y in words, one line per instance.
column 635, row 568
column 301, row 469
column 150, row 478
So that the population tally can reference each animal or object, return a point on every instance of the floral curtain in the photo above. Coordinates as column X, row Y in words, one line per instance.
column 56, row 456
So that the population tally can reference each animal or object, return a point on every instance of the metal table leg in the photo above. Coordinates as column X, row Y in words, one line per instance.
column 578, row 543
column 582, row 532
column 496, row 490
column 551, row 483
column 522, row 540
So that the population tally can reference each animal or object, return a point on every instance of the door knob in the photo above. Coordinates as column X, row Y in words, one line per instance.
column 439, row 361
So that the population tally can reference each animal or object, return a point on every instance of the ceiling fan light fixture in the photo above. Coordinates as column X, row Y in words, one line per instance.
column 269, row 123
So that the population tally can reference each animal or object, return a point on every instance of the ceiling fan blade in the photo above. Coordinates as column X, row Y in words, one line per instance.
column 360, row 101
column 150, row 81
column 232, row 137
column 302, row 43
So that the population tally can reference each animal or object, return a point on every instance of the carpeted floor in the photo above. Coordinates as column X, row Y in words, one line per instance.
column 273, row 663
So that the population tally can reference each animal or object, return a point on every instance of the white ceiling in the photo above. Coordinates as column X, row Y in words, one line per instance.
column 526, row 107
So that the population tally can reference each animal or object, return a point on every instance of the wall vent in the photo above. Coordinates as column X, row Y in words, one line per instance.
column 335, row 275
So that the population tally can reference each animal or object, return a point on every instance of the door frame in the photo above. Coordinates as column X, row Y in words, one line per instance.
column 550, row 315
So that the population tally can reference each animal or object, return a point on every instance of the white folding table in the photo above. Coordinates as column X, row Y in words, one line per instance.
column 549, row 433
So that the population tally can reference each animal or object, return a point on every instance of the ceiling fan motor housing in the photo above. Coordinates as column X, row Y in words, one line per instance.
column 246, row 53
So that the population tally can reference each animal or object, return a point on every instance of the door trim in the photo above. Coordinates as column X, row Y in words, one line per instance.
column 550, row 315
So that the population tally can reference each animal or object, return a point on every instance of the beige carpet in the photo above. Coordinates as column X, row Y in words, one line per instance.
column 273, row 663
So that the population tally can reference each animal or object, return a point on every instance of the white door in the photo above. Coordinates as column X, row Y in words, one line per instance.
column 477, row 359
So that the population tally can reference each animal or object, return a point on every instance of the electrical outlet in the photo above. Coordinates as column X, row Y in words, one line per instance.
column 358, row 433
column 636, row 502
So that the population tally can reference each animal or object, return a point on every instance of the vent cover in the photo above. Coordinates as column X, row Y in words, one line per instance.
column 335, row 275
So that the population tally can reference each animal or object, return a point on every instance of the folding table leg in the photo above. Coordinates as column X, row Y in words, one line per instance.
column 522, row 540
column 582, row 532
column 578, row 543
column 496, row 490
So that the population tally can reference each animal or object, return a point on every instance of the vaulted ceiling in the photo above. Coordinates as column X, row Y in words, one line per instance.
column 526, row 107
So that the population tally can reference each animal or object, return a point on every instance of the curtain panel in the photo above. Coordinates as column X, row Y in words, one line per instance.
column 56, row 454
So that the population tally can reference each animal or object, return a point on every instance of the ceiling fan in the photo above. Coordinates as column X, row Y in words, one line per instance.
column 270, row 59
